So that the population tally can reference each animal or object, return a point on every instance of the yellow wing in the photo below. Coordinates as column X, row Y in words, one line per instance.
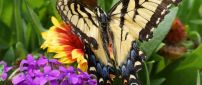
column 132, row 20
column 85, row 25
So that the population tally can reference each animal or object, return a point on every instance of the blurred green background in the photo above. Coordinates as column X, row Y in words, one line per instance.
column 22, row 21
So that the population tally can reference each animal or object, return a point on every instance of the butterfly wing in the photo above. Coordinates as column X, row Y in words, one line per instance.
column 85, row 24
column 132, row 20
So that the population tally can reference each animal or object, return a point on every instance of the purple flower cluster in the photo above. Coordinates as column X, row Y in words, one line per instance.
column 43, row 71
column 4, row 70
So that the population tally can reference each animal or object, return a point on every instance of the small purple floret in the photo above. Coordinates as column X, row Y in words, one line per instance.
column 43, row 71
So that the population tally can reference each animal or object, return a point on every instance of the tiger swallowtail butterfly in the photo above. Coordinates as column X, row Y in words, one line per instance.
column 127, row 22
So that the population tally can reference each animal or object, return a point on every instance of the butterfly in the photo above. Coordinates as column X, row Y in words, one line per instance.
column 111, row 38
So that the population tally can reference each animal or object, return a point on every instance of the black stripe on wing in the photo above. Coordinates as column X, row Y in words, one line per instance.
column 157, row 17
column 72, row 12
column 85, row 24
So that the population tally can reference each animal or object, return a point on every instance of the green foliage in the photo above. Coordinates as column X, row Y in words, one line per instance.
column 22, row 21
column 190, row 14
column 105, row 4
column 9, row 56
column 187, row 66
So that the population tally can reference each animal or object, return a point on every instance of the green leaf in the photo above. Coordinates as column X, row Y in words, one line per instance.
column 181, row 77
column 1, row 6
column 200, row 10
column 20, row 50
column 9, row 56
column 194, row 37
column 159, row 64
column 144, row 75
column 1, row 71
column 191, row 10
column 190, row 60
column 200, row 75
column 159, row 47
column 198, row 81
column 106, row 4
column 28, row 37
column 33, row 18
column 197, row 22
column 157, row 81
column 37, row 3
column 5, row 36
column 150, row 66
column 18, row 21
column 193, row 59
column 34, row 38
column 7, row 12
column 159, row 33
column 184, row 70
column 53, row 3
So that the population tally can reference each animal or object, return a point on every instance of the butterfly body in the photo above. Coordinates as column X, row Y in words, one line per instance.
column 127, row 22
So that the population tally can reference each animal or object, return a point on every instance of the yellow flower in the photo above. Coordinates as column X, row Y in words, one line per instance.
column 67, row 46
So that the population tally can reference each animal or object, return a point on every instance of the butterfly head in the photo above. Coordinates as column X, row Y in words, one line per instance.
column 102, row 16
